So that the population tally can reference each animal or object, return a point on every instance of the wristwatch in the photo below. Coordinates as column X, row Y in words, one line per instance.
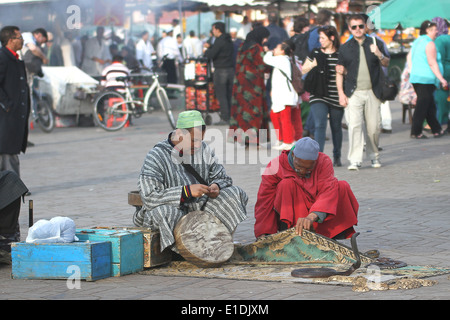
column 382, row 57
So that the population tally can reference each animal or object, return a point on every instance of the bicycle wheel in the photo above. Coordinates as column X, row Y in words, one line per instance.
column 44, row 115
column 111, row 112
column 164, row 102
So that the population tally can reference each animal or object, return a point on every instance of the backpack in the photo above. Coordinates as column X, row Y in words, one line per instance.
column 301, row 45
column 297, row 75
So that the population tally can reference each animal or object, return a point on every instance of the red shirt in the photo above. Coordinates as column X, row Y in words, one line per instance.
column 14, row 53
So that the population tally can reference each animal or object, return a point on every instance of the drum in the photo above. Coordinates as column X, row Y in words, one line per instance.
column 203, row 239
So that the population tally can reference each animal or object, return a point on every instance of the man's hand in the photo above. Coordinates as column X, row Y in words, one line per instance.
column 374, row 49
column 214, row 191
column 305, row 223
column 198, row 190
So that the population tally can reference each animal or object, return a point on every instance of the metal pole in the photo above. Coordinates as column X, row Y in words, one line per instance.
column 180, row 21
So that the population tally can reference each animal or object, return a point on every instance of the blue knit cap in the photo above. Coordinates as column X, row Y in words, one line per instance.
column 306, row 149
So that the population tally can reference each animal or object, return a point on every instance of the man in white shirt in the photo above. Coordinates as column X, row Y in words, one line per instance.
column 245, row 29
column 168, row 52
column 193, row 46
column 144, row 51
column 32, row 41
column 96, row 54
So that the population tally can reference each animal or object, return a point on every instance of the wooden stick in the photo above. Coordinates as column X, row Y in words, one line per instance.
column 30, row 213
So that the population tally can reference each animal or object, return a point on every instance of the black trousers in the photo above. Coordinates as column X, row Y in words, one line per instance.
column 171, row 69
column 425, row 109
column 223, row 88
column 9, row 225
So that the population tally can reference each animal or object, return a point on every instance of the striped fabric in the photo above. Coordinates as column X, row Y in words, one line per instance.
column 333, row 96
column 161, row 185
column 111, row 72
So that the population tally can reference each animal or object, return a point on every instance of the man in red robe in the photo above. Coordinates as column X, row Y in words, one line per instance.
column 299, row 189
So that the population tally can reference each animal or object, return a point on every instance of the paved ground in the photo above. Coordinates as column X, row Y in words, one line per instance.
column 86, row 174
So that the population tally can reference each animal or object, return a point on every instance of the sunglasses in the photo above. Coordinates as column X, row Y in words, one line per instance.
column 360, row 26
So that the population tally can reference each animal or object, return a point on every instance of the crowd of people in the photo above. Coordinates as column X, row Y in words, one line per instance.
column 253, row 78
column 343, row 83
column 298, row 189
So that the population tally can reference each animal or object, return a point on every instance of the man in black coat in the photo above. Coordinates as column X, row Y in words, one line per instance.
column 221, row 53
column 14, row 100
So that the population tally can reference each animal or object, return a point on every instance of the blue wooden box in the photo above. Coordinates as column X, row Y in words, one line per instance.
column 60, row 260
column 127, row 248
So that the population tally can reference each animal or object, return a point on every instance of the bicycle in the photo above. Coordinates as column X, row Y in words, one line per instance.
column 41, row 110
column 112, row 109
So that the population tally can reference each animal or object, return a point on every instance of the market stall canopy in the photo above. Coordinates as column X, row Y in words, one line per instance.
column 174, row 5
column 233, row 5
column 408, row 13
column 22, row 1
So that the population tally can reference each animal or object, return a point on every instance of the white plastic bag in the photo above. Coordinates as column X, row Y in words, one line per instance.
column 58, row 229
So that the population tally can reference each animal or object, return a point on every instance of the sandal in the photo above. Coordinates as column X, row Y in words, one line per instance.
column 420, row 136
column 440, row 134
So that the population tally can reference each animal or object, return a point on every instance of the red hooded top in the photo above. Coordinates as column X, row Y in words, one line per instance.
column 321, row 192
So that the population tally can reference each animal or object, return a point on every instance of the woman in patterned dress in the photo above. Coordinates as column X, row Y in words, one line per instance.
column 249, row 111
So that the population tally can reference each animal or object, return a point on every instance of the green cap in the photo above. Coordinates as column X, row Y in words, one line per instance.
column 190, row 119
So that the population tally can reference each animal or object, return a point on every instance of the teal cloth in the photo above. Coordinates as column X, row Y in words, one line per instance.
column 443, row 47
column 441, row 96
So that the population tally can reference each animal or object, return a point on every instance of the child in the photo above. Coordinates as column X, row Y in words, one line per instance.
column 115, row 70
column 285, row 109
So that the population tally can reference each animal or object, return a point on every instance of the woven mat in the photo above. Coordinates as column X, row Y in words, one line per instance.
column 362, row 280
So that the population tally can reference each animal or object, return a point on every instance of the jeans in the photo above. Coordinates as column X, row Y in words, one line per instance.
column 320, row 112
column 223, row 87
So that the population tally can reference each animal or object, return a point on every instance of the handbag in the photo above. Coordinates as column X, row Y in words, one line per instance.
column 316, row 79
column 389, row 88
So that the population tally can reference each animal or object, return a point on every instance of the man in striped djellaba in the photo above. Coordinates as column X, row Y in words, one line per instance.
column 181, row 174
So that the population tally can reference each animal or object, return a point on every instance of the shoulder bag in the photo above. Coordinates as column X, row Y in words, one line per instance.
column 389, row 89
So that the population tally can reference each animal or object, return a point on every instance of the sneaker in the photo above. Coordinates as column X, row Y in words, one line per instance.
column 376, row 163
column 354, row 166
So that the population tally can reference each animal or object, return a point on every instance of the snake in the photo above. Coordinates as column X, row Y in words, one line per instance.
column 329, row 272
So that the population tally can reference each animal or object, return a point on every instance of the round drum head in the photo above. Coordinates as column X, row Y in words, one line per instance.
column 203, row 239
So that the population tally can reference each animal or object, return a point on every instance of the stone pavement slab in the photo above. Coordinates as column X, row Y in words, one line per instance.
column 86, row 174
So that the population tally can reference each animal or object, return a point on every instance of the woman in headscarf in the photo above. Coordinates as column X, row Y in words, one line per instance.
column 249, row 112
